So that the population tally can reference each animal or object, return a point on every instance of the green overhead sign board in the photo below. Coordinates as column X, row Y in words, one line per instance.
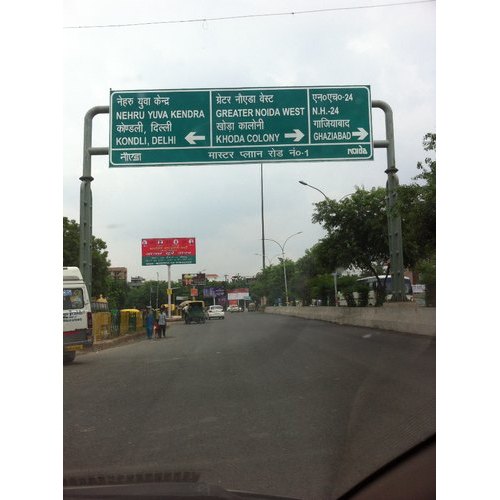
column 248, row 125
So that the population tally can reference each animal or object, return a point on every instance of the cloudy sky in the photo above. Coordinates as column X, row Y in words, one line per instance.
column 391, row 49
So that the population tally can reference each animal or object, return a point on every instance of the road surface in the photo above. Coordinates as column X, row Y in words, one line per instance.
column 255, row 402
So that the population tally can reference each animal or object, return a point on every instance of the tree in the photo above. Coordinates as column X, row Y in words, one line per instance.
column 322, row 287
column 417, row 205
column 357, row 226
column 117, row 291
column 271, row 283
column 71, row 255
column 357, row 231
column 143, row 295
column 315, row 262
column 423, row 221
column 71, row 242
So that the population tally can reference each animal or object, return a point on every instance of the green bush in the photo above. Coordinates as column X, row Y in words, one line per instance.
column 427, row 270
column 363, row 291
column 349, row 297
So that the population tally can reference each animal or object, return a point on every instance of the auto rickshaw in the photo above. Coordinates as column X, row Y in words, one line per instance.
column 193, row 311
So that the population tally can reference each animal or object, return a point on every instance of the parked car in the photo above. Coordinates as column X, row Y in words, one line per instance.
column 215, row 312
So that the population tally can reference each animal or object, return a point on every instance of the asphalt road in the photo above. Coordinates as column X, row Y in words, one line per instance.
column 254, row 402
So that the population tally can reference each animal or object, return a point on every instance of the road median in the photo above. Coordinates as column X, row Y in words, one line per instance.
column 406, row 317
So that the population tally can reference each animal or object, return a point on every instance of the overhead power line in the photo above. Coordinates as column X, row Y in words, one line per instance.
column 249, row 16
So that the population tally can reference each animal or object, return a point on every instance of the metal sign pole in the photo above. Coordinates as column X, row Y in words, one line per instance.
column 393, row 217
column 262, row 216
column 86, row 195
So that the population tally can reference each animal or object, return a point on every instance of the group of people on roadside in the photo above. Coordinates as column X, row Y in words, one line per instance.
column 156, row 328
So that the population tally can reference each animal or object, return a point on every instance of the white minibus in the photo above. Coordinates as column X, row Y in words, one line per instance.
column 77, row 314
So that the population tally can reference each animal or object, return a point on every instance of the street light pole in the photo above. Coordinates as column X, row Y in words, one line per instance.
column 269, row 260
column 313, row 187
column 283, row 258
column 284, row 273
column 317, row 189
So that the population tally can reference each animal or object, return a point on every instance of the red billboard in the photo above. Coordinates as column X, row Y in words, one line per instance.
column 164, row 251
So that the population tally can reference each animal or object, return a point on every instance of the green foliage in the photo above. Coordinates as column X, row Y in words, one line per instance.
column 271, row 283
column 427, row 270
column 239, row 282
column 71, row 256
column 117, row 293
column 141, row 296
column 259, row 288
column 357, row 230
column 349, row 296
column 357, row 225
column 100, row 266
column 150, row 292
column 348, row 285
column 421, row 220
column 147, row 293
column 322, row 287
column 417, row 205
column 71, row 242
column 363, row 291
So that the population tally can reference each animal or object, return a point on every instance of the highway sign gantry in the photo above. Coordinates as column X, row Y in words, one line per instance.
column 245, row 125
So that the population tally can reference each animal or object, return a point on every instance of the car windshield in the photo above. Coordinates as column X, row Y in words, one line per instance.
column 232, row 172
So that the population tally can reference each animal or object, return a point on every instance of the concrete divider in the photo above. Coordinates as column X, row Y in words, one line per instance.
column 407, row 317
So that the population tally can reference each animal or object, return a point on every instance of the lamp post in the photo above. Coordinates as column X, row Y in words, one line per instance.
column 335, row 273
column 269, row 260
column 317, row 189
column 283, row 259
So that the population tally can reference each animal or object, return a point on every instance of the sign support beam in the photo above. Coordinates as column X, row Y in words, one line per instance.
column 393, row 216
column 86, row 195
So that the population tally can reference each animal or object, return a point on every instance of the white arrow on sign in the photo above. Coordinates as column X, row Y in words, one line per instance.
column 296, row 135
column 192, row 137
column 361, row 134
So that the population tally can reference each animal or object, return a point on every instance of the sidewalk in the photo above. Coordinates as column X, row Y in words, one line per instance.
column 126, row 338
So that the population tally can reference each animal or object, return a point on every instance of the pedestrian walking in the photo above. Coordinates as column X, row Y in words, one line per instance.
column 150, row 321
column 162, row 323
